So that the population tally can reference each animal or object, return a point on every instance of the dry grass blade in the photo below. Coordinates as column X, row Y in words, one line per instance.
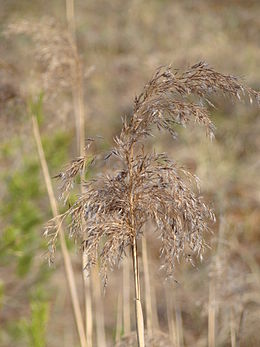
column 65, row 253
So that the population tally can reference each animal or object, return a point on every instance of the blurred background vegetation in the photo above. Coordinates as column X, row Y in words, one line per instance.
column 121, row 43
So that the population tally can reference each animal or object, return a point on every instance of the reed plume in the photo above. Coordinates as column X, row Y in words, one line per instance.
column 54, row 52
column 149, row 186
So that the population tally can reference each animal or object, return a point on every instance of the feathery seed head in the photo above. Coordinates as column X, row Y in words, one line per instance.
column 114, row 207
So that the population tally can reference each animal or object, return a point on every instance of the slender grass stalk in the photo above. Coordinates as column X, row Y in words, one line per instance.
column 81, row 140
column 170, row 318
column 148, row 296
column 70, row 13
column 88, row 303
column 239, row 330
column 66, row 257
column 212, row 304
column 138, row 304
column 179, row 326
column 78, row 101
column 232, row 329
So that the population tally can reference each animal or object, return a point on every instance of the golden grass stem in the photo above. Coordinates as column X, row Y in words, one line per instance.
column 78, row 100
column 80, row 109
column 66, row 257
column 88, row 303
column 138, row 305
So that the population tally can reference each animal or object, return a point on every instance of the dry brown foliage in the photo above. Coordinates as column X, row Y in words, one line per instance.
column 150, row 186
column 158, row 339
column 76, row 167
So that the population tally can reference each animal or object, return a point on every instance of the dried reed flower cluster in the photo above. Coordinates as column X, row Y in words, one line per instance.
column 112, row 209
column 150, row 186
column 77, row 167
column 54, row 51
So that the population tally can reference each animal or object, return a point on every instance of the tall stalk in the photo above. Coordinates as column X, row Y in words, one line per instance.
column 65, row 254
column 138, row 304
column 170, row 318
column 78, row 100
column 70, row 14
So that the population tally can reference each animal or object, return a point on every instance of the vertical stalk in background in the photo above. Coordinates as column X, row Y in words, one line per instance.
column 88, row 303
column 232, row 328
column 78, row 99
column 138, row 305
column 70, row 13
column 66, row 258
column 148, row 297
column 212, row 304
column 179, row 326
column 170, row 318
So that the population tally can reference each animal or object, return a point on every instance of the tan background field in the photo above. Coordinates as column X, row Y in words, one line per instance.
column 120, row 44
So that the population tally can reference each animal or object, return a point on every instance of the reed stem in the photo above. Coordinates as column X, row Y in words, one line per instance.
column 78, row 100
column 138, row 305
column 65, row 254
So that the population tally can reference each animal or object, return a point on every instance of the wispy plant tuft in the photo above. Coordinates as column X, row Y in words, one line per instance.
column 150, row 179
column 150, row 186
column 77, row 167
